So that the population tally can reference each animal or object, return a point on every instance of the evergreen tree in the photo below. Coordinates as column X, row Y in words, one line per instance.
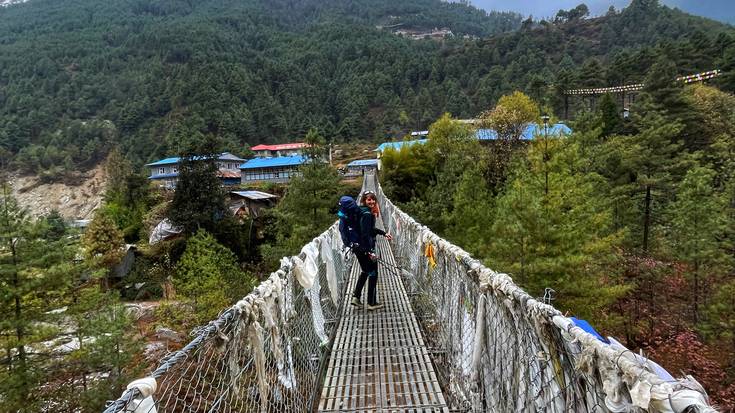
column 406, row 173
column 199, row 200
column 453, row 150
column 721, row 314
column 103, row 244
column 560, row 238
column 29, row 289
column 106, row 342
column 610, row 115
column 643, row 170
column 208, row 276
column 472, row 213
column 307, row 207
column 699, row 223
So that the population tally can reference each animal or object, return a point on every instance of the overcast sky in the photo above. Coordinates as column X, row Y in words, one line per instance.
column 723, row 10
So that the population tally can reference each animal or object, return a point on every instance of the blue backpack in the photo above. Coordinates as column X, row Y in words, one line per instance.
column 349, row 221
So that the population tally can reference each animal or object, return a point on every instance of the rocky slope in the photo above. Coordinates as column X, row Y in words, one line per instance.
column 72, row 201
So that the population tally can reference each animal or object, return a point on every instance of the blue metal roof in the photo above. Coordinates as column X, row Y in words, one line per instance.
column 529, row 133
column 164, row 176
column 364, row 162
column 167, row 161
column 225, row 156
column 254, row 194
column 273, row 162
column 398, row 145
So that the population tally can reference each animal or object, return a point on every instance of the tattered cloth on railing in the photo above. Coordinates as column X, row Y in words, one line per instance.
column 256, row 334
column 628, row 384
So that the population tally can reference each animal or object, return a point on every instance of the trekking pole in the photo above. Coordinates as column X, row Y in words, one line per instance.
column 389, row 265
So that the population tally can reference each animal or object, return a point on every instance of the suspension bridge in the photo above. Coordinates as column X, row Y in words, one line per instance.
column 454, row 336
column 627, row 93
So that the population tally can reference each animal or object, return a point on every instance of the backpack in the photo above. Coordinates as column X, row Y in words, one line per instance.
column 349, row 221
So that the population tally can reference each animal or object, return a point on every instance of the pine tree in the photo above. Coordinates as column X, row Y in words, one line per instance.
column 29, row 289
column 103, row 245
column 307, row 206
column 643, row 169
column 698, row 227
column 557, row 236
column 209, row 277
column 610, row 115
column 106, row 343
column 199, row 200
column 721, row 314
column 472, row 213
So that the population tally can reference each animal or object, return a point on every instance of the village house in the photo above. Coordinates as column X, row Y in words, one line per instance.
column 530, row 132
column 274, row 151
column 361, row 166
column 395, row 146
column 278, row 169
column 250, row 203
column 166, row 171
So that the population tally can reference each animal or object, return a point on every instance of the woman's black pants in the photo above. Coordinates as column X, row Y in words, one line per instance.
column 369, row 273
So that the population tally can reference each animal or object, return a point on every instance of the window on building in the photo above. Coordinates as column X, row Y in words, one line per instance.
column 161, row 170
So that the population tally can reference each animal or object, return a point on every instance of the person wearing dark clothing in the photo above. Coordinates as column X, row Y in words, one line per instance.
column 357, row 224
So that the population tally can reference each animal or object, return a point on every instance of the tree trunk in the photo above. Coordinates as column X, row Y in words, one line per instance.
column 647, row 219
column 19, row 330
column 696, row 292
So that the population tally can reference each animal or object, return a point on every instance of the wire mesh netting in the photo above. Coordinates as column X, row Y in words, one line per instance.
column 262, row 355
column 494, row 348
column 497, row 349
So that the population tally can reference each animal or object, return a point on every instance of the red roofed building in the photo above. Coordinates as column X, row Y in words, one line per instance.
column 274, row 151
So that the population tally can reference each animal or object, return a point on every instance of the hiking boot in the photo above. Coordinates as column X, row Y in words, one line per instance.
column 376, row 306
column 356, row 302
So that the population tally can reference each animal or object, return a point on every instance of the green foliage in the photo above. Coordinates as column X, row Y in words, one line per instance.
column 473, row 211
column 453, row 150
column 199, row 200
column 511, row 115
column 406, row 173
column 698, row 226
column 643, row 169
column 107, row 343
column 307, row 208
column 103, row 242
column 36, row 271
column 557, row 235
column 208, row 276
column 610, row 115
column 53, row 226
column 721, row 314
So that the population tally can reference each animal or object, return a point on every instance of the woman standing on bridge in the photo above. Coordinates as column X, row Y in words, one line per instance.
column 365, row 248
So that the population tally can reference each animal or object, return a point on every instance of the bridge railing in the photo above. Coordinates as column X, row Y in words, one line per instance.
column 497, row 349
column 265, row 353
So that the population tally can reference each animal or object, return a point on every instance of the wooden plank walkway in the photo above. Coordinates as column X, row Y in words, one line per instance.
column 379, row 362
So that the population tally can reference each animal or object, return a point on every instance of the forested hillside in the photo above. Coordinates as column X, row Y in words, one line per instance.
column 78, row 76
